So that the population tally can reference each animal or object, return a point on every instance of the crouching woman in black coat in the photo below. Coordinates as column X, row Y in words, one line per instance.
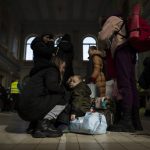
column 43, row 99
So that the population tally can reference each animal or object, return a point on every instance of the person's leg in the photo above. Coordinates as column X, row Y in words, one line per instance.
column 53, row 114
column 63, row 120
column 123, row 65
column 17, row 96
column 123, row 61
column 12, row 99
column 46, row 126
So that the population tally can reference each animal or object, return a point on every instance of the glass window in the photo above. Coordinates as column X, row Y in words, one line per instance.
column 87, row 42
column 28, row 51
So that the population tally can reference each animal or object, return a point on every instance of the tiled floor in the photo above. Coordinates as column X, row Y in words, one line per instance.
column 13, row 137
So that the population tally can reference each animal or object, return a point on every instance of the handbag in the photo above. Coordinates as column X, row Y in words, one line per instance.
column 91, row 123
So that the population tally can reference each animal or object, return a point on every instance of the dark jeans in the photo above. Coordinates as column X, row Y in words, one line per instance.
column 125, row 67
column 15, row 99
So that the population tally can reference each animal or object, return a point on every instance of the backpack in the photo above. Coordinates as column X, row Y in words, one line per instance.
column 139, row 30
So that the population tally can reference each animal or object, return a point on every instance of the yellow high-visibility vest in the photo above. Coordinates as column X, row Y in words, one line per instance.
column 14, row 88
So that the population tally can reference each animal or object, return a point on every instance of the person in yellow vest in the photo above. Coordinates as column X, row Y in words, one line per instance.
column 14, row 92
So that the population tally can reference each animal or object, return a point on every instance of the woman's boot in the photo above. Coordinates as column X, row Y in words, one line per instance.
column 45, row 128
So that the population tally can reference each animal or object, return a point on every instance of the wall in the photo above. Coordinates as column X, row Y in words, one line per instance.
column 77, row 34
column 9, row 46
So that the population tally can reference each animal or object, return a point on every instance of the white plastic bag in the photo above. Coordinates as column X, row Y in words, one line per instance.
column 91, row 123
column 94, row 90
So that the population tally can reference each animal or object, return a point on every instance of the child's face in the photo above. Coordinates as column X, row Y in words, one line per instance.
column 74, row 81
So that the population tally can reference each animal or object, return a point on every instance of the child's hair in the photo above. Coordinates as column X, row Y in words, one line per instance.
column 78, row 76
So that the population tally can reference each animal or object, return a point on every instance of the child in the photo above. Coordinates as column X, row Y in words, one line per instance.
column 80, row 96
column 97, row 75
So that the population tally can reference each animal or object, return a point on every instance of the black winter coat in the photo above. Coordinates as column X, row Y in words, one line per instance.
column 41, row 94
column 42, row 53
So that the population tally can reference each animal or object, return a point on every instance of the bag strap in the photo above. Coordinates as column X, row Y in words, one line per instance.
column 117, row 32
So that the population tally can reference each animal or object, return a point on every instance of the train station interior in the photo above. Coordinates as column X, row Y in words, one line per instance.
column 20, row 22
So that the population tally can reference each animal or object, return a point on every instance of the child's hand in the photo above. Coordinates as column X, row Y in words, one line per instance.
column 73, row 117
